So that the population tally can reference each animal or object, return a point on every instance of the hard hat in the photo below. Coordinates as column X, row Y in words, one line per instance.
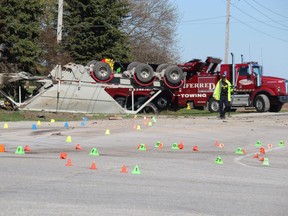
column 224, row 74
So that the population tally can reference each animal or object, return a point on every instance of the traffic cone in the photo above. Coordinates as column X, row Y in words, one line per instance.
column 219, row 160
column 154, row 119
column 138, row 127
column 78, row 147
column 69, row 162
column 107, row 132
column 261, row 159
column 269, row 146
column 2, row 148
column 266, row 162
column 243, row 150
column 82, row 123
column 93, row 166
column 188, row 106
column 63, row 155
column 258, row 144
column 34, row 127
column 175, row 146
column 94, row 152
column 256, row 155
column 69, row 139
column 281, row 143
column 124, row 169
column 20, row 150
column 135, row 116
column 6, row 126
column 39, row 123
column 134, row 126
column 262, row 150
column 26, row 148
column 149, row 123
column 195, row 148
column 180, row 145
column 136, row 170
column 239, row 151
column 52, row 120
column 216, row 143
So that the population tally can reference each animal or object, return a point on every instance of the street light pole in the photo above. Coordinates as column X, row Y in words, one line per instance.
column 60, row 21
column 227, row 32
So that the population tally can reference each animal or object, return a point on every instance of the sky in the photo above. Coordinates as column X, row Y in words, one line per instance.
column 258, row 31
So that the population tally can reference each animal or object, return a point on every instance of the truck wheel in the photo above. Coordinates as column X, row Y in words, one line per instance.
column 132, row 65
column 161, row 67
column 213, row 105
column 94, row 62
column 174, row 74
column 262, row 103
column 120, row 101
column 150, row 108
column 276, row 108
column 102, row 71
column 144, row 73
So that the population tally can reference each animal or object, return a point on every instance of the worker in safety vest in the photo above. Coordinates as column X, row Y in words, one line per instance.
column 222, row 93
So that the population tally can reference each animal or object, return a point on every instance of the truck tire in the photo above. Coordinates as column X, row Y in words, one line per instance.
column 174, row 74
column 132, row 65
column 276, row 108
column 121, row 101
column 94, row 62
column 161, row 67
column 144, row 73
column 162, row 102
column 262, row 103
column 102, row 71
column 150, row 108
column 213, row 105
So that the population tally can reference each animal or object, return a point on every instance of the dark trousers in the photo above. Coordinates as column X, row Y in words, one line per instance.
column 223, row 102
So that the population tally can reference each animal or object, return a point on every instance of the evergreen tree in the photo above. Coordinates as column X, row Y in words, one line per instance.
column 92, row 29
column 19, row 30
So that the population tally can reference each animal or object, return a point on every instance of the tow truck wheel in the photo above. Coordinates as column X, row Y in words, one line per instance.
column 174, row 74
column 144, row 73
column 102, row 71
column 262, row 103
column 161, row 67
column 132, row 65
column 120, row 101
column 213, row 105
column 150, row 108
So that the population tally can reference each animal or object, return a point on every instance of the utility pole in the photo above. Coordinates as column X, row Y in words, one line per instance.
column 60, row 21
column 227, row 32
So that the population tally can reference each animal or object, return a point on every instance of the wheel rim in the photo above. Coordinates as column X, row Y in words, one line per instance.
column 162, row 102
column 103, row 72
column 215, row 106
column 145, row 73
column 259, row 105
column 175, row 75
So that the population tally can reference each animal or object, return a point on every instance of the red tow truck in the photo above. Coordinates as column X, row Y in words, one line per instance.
column 251, row 88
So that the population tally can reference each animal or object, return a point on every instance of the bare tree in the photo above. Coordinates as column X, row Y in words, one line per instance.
column 151, row 26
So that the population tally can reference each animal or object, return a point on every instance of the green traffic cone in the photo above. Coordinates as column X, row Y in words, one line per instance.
column 258, row 144
column 136, row 170
column 266, row 162
column 239, row 151
column 157, row 145
column 20, row 150
column 154, row 119
column 94, row 152
column 175, row 146
column 142, row 147
column 281, row 143
column 218, row 160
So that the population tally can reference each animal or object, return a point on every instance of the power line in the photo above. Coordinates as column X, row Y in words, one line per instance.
column 269, row 9
column 264, row 14
column 209, row 18
column 257, row 19
column 262, row 32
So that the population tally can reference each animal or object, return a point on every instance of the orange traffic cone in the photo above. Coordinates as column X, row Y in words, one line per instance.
column 124, row 169
column 261, row 159
column 195, row 148
column 256, row 155
column 262, row 150
column 93, row 166
column 2, row 148
column 69, row 162
column 243, row 150
column 78, row 147
column 216, row 143
column 26, row 148
column 181, row 145
column 63, row 155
